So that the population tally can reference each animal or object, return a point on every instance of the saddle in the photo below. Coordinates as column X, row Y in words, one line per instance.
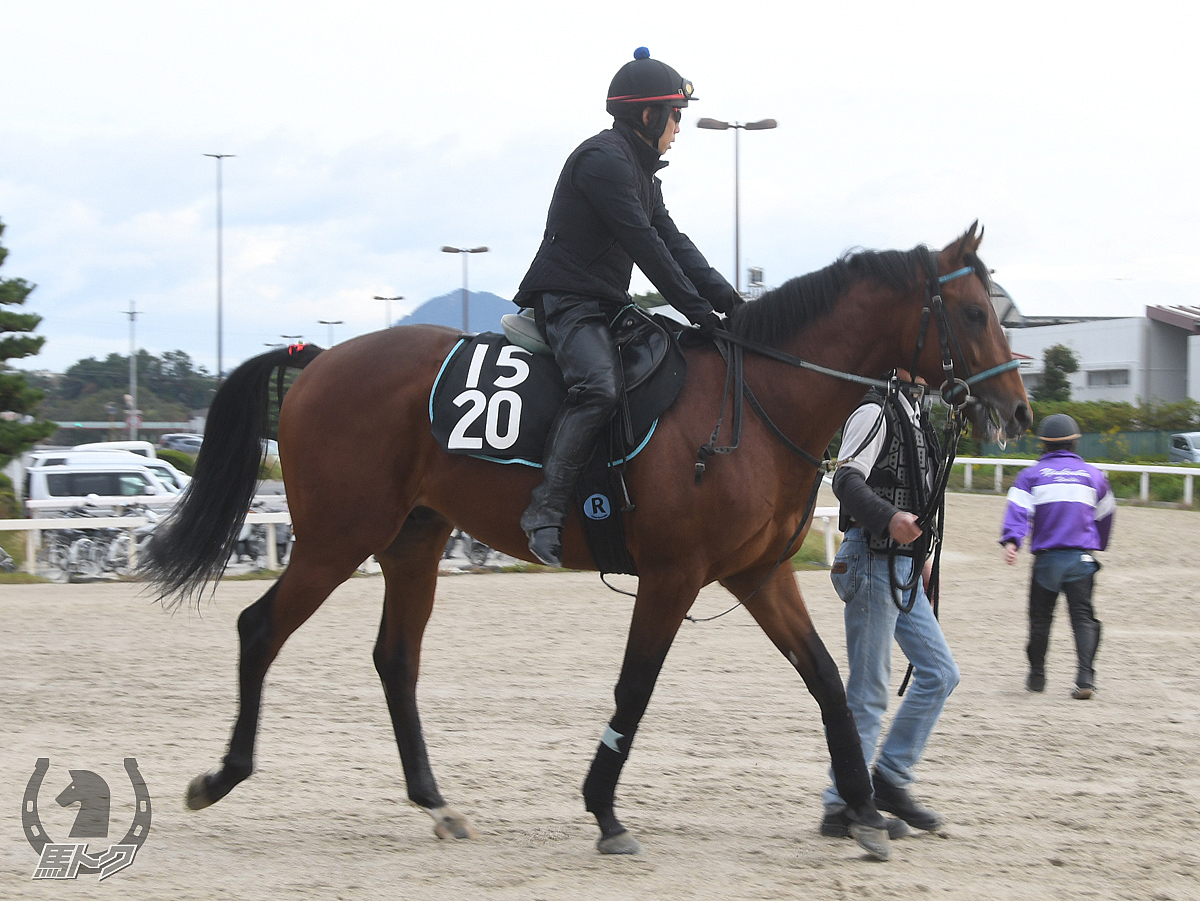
column 496, row 397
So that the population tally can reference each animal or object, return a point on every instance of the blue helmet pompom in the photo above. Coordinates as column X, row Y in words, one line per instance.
column 641, row 53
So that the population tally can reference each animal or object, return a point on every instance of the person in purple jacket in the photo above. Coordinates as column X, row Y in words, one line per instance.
column 1070, row 506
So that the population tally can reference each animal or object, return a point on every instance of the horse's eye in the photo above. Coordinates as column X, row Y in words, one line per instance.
column 975, row 315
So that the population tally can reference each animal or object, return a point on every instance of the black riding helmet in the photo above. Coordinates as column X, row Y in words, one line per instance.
column 1058, row 428
column 646, row 82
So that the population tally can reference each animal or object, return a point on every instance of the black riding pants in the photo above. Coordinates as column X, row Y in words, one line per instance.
column 1083, row 622
column 576, row 329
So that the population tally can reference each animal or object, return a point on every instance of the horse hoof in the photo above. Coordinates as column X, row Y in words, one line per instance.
column 874, row 841
column 621, row 843
column 197, row 797
column 449, row 823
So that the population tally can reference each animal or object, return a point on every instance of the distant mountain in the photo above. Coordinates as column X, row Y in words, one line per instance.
column 485, row 311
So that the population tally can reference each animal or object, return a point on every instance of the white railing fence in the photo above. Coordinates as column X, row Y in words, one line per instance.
column 1188, row 472
column 826, row 516
column 34, row 528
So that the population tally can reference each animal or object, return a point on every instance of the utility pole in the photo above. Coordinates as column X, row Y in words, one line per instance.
column 133, row 410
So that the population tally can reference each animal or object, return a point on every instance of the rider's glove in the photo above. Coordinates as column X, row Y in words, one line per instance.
column 709, row 323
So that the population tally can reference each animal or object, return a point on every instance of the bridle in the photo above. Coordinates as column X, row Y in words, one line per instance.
column 955, row 394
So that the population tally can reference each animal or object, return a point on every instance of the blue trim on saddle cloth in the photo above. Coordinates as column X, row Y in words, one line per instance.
column 445, row 363
column 611, row 463
column 521, row 460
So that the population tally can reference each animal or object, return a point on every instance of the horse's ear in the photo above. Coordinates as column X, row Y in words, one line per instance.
column 969, row 242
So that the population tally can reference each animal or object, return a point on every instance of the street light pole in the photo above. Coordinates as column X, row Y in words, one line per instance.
column 465, row 295
column 387, row 322
column 331, row 323
column 219, row 157
column 133, row 411
column 718, row 125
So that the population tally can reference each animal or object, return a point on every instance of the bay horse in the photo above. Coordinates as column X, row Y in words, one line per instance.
column 366, row 402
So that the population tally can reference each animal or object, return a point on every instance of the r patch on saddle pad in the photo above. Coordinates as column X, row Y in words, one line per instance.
column 497, row 401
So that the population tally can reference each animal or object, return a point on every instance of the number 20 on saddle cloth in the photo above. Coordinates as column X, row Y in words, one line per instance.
column 497, row 401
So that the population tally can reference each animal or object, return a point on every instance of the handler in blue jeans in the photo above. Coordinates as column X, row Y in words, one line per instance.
column 883, row 480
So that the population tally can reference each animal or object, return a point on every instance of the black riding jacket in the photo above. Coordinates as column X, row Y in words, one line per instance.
column 607, row 213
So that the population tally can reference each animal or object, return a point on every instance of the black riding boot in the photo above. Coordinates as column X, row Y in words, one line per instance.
column 568, row 449
column 1087, row 639
column 1087, row 634
column 577, row 328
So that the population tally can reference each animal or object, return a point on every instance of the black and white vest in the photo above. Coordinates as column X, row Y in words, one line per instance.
column 903, row 471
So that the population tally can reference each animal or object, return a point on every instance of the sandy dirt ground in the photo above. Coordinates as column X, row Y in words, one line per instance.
column 1047, row 798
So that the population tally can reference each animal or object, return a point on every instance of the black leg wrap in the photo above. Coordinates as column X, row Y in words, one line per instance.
column 600, row 787
column 845, row 754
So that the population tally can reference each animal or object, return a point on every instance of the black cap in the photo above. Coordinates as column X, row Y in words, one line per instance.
column 646, row 82
column 1058, row 427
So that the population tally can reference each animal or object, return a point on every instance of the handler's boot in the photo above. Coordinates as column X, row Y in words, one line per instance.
column 896, row 800
column 1087, row 639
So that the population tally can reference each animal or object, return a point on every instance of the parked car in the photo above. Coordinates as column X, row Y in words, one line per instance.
column 141, row 448
column 181, row 441
column 1185, row 448
column 104, row 480
column 171, row 477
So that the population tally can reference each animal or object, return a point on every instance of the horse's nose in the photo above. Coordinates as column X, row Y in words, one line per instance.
column 1022, row 418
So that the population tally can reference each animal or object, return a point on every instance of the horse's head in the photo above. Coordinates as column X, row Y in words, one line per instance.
column 967, row 333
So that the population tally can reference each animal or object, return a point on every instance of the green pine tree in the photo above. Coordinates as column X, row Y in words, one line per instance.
column 19, row 430
column 1058, row 361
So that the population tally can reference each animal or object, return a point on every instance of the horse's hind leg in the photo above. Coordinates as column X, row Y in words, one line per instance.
column 263, row 627
column 410, row 569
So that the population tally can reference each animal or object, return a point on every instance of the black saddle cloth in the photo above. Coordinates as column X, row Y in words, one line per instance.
column 495, row 400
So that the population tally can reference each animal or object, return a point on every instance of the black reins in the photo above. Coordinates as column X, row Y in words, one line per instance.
column 955, row 393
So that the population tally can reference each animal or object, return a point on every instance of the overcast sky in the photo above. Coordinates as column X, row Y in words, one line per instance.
column 369, row 134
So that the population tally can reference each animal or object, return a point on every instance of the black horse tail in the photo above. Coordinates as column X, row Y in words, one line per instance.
column 191, row 546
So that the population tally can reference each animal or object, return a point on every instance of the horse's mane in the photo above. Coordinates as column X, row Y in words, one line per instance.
column 781, row 312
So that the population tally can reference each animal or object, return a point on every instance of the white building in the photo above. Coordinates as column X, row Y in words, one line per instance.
column 1143, row 358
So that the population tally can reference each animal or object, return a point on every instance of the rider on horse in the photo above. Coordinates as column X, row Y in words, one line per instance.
column 607, row 214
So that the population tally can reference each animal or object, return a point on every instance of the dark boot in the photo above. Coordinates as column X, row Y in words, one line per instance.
column 546, row 544
column 896, row 800
column 577, row 329
column 1087, row 634
column 1087, row 639
column 568, row 449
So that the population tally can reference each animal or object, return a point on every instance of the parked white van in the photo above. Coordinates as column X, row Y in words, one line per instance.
column 141, row 448
column 118, row 482
column 1185, row 448
column 171, row 477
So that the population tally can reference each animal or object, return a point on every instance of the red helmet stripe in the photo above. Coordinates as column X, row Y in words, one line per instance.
column 633, row 98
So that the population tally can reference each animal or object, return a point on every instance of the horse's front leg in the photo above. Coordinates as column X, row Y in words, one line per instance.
column 778, row 607
column 657, row 615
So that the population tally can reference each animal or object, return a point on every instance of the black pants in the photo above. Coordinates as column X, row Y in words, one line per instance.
column 1083, row 622
column 576, row 328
